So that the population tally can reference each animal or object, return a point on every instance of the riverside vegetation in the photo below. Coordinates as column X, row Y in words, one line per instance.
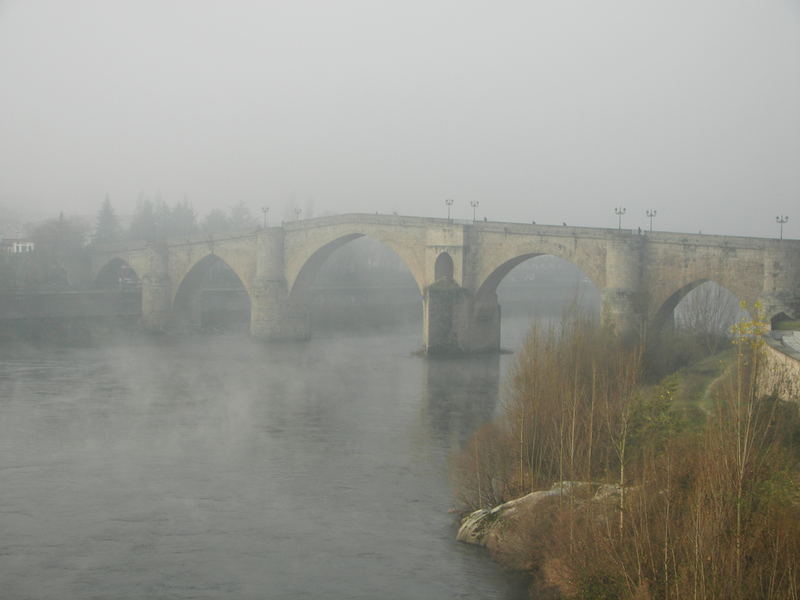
column 706, row 477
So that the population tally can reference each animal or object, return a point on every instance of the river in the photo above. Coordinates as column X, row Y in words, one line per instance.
column 220, row 467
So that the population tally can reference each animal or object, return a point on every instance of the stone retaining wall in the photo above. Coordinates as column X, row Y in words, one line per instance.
column 782, row 370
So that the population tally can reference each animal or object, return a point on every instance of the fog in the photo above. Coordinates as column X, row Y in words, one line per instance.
column 206, row 464
column 202, row 463
column 548, row 111
column 230, row 469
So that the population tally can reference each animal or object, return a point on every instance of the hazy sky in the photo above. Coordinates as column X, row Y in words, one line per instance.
column 553, row 110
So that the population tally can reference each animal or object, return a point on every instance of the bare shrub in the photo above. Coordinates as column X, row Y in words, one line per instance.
column 709, row 312
column 701, row 512
column 568, row 391
column 482, row 469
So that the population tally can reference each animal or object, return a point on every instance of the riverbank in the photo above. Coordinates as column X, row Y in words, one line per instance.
column 698, row 464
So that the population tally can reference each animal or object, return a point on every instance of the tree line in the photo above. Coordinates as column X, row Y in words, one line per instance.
column 155, row 220
column 61, row 244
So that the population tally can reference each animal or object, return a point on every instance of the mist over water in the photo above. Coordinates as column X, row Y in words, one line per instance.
column 214, row 466
column 210, row 467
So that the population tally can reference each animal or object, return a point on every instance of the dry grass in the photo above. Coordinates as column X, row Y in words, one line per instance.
column 706, row 511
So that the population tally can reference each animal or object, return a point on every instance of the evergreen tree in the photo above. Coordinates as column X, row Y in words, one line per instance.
column 107, row 229
column 60, row 246
column 216, row 222
column 241, row 217
column 144, row 225
column 181, row 220
column 163, row 219
column 158, row 221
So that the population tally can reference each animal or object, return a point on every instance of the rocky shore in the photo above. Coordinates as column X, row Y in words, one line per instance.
column 508, row 529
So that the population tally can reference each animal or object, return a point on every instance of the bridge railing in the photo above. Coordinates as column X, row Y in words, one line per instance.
column 480, row 225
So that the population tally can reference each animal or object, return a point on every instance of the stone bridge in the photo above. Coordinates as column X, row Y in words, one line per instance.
column 457, row 268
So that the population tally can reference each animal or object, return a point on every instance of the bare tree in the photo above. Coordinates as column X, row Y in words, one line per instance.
column 709, row 311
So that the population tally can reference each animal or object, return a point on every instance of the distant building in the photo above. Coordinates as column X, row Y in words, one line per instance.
column 17, row 245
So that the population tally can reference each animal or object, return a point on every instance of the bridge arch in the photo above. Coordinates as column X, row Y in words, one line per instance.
column 719, row 304
column 202, row 255
column 117, row 272
column 488, row 287
column 301, row 275
column 501, row 253
column 210, row 274
column 669, row 280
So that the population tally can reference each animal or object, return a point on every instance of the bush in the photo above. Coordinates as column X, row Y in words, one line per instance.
column 703, row 512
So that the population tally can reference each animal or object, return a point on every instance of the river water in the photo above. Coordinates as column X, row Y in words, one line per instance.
column 219, row 467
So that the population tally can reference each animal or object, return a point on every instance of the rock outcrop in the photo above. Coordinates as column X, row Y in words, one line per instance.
column 487, row 524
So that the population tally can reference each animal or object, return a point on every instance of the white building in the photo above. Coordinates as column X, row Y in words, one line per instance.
column 17, row 245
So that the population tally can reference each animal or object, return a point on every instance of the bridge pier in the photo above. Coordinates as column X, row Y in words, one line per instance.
column 156, row 291
column 274, row 315
column 622, row 297
column 455, row 323
column 484, row 325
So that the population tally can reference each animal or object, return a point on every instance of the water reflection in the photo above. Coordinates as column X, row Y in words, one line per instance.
column 460, row 395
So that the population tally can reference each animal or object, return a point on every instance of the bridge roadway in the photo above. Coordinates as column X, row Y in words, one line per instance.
column 457, row 267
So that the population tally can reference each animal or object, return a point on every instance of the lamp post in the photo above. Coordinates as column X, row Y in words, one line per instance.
column 449, row 203
column 781, row 219
column 474, row 204
column 265, row 210
column 619, row 211
column 297, row 212
column 651, row 212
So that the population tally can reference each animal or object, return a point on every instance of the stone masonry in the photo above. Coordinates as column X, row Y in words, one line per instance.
column 641, row 276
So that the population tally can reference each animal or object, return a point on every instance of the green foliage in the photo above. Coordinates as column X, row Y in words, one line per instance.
column 144, row 225
column 217, row 222
column 180, row 220
column 158, row 221
column 748, row 334
column 237, row 219
column 107, row 229
column 60, row 247
column 654, row 419
column 241, row 218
